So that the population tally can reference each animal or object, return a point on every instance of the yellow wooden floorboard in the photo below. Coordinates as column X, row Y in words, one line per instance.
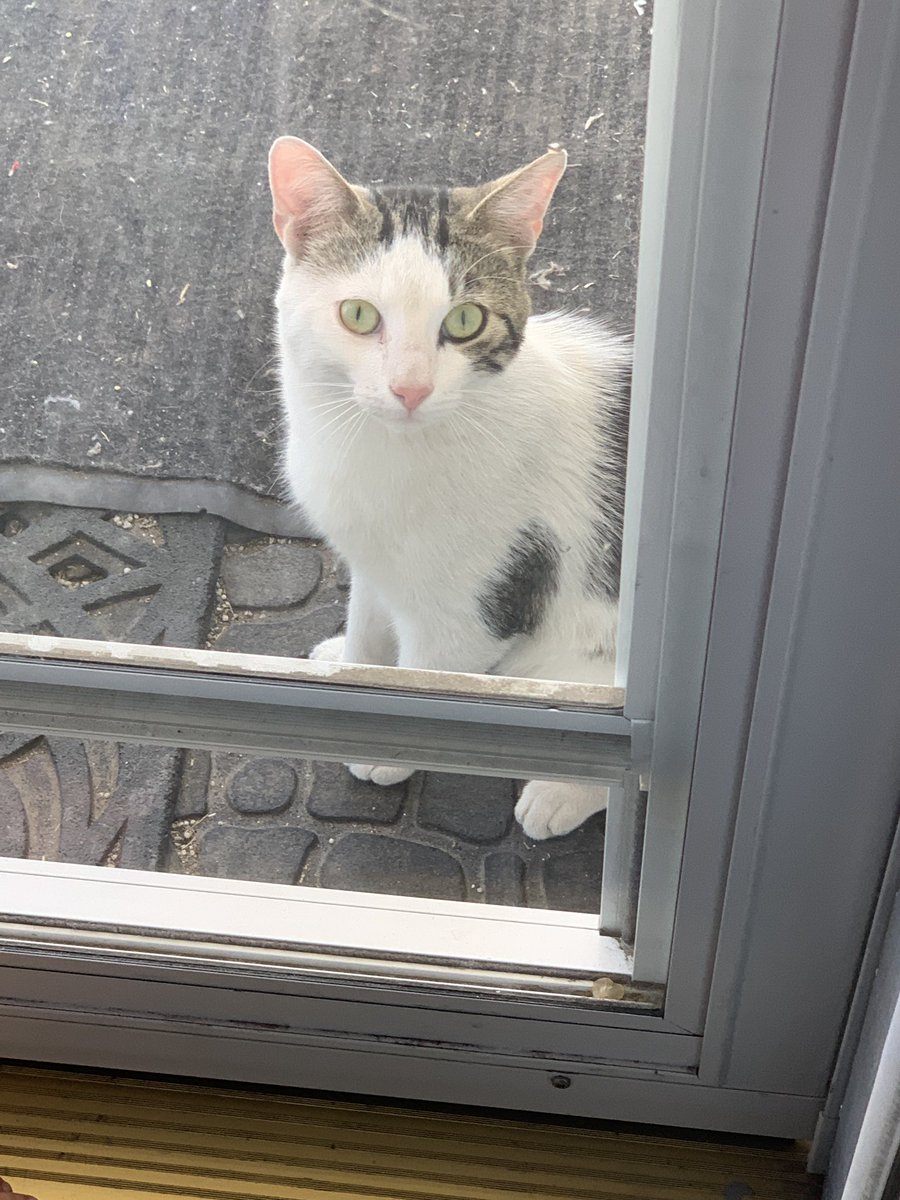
column 71, row 1137
column 139, row 1131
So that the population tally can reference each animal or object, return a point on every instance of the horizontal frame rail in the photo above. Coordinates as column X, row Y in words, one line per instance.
column 199, row 708
column 291, row 923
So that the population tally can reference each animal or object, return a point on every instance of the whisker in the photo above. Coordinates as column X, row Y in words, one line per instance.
column 335, row 402
column 355, row 434
column 337, row 420
column 341, row 432
column 334, row 415
column 271, row 361
column 331, row 402
column 466, row 412
column 350, row 437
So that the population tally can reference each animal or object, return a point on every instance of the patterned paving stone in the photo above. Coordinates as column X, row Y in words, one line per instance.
column 263, row 785
column 336, row 795
column 80, row 572
column 87, row 802
column 85, row 573
column 193, row 791
column 331, row 806
column 235, row 852
column 474, row 807
column 10, row 742
column 274, row 575
column 293, row 637
column 373, row 863
column 570, row 870
column 504, row 879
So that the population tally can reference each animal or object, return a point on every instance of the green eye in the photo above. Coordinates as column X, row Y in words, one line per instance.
column 464, row 322
column 359, row 316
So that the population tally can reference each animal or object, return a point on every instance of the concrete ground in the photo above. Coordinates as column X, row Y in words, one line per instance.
column 138, row 265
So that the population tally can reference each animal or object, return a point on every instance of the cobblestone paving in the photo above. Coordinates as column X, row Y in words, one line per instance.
column 195, row 580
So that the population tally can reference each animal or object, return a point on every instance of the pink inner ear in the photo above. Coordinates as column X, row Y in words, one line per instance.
column 307, row 192
column 536, row 198
column 528, row 197
column 519, row 205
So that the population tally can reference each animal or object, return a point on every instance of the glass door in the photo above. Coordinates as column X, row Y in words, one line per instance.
column 194, row 880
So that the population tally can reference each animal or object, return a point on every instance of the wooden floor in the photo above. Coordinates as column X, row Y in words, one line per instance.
column 75, row 1137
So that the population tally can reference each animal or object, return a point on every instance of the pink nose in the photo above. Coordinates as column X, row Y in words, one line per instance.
column 412, row 397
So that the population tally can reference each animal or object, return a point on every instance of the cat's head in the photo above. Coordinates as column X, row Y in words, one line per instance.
column 410, row 293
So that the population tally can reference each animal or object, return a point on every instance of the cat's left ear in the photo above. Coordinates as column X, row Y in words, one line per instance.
column 515, row 206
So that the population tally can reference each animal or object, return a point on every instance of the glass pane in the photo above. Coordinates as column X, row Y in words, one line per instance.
column 145, row 496
column 286, row 821
column 433, row 872
column 141, row 382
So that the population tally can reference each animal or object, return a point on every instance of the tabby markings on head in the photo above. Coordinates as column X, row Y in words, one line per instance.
column 421, row 211
column 478, row 269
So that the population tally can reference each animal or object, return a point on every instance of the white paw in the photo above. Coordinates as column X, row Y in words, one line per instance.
column 382, row 775
column 549, row 808
column 331, row 650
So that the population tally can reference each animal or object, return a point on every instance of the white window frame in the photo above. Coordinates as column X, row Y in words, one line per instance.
column 753, row 235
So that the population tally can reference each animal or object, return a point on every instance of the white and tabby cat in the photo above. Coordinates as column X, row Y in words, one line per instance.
column 466, row 459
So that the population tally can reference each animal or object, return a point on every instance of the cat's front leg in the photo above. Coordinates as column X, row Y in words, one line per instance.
column 369, row 638
column 437, row 647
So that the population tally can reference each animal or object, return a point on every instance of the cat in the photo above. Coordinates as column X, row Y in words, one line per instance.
column 465, row 458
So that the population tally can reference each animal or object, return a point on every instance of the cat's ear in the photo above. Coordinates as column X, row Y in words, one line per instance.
column 308, row 195
column 514, row 206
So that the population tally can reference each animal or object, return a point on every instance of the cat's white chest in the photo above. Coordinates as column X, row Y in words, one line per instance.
column 372, row 497
column 401, row 509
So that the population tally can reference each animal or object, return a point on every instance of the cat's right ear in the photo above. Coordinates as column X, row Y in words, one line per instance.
column 515, row 206
column 308, row 195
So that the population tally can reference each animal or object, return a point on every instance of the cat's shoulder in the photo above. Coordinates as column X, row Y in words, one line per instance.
column 563, row 328
column 577, row 338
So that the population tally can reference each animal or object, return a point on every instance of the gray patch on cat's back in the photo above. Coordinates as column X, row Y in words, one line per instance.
column 514, row 599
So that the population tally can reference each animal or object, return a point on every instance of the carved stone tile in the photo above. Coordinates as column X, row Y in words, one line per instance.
column 96, row 803
column 80, row 572
column 85, row 573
